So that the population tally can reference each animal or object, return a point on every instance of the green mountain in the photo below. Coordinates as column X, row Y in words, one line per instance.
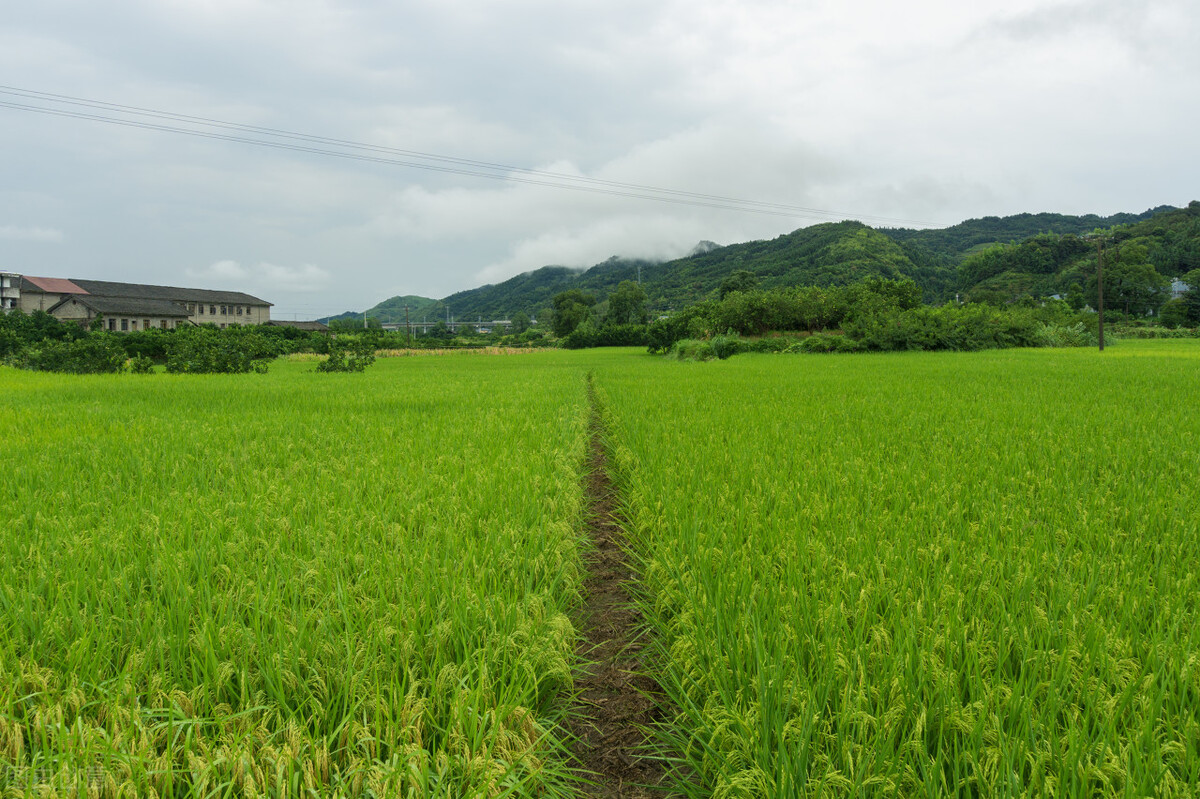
column 1140, row 259
column 942, row 261
column 392, row 310
column 965, row 237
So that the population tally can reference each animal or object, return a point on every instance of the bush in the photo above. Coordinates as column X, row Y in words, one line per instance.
column 727, row 345
column 97, row 354
column 1076, row 335
column 148, row 343
column 826, row 342
column 348, row 354
column 1150, row 331
column 1174, row 313
column 773, row 344
column 690, row 349
column 950, row 327
column 208, row 350
column 141, row 365
column 585, row 334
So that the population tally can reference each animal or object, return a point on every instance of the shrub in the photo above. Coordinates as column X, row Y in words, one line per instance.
column 726, row 345
column 628, row 335
column 585, row 334
column 773, row 344
column 690, row 349
column 827, row 342
column 97, row 354
column 1076, row 335
column 141, row 365
column 348, row 354
column 149, row 343
column 207, row 350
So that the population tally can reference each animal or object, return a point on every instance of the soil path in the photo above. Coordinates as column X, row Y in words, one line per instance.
column 617, row 701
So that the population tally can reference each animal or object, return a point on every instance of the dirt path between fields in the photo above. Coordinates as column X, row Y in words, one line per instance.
column 616, row 700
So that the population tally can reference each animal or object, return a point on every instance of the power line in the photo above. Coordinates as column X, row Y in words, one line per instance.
column 144, row 118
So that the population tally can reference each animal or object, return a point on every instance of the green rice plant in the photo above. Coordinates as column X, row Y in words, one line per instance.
column 234, row 585
column 921, row 574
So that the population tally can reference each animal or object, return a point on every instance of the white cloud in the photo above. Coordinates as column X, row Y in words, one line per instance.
column 47, row 235
column 936, row 110
column 227, row 274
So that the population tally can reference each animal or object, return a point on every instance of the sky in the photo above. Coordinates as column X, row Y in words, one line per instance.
column 918, row 114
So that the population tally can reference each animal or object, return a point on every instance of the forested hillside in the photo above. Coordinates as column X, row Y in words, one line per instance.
column 992, row 259
column 1141, row 261
column 958, row 240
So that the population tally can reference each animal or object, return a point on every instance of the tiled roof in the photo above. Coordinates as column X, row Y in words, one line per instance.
column 105, row 288
column 50, row 285
column 127, row 306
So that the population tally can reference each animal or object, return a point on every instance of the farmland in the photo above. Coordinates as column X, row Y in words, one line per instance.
column 913, row 575
column 225, row 585
column 921, row 574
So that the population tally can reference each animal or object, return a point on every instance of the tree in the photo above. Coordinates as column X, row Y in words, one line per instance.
column 1134, row 287
column 1174, row 313
column 740, row 280
column 1075, row 297
column 348, row 353
column 520, row 323
column 626, row 305
column 571, row 307
column 1191, row 297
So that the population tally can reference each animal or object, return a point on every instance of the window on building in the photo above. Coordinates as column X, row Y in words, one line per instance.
column 133, row 324
column 163, row 324
column 224, row 310
column 112, row 324
column 145, row 324
column 212, row 309
column 239, row 310
column 124, row 324
column 202, row 310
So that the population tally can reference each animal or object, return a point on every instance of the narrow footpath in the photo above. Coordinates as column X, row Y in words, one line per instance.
column 617, row 701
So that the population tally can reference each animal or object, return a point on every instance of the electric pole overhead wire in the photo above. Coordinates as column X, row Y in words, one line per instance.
column 208, row 128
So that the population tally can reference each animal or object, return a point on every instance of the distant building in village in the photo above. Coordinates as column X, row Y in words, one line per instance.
column 10, row 291
column 135, row 306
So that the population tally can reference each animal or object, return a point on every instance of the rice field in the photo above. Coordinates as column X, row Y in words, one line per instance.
column 915, row 575
column 893, row 575
column 291, row 585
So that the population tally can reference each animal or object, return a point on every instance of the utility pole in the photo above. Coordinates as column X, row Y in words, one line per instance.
column 1100, row 289
column 408, row 325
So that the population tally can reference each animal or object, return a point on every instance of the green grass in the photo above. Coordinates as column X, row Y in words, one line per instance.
column 296, row 584
column 956, row 574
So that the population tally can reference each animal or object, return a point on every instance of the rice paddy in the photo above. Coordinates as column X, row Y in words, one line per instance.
column 905, row 575
column 923, row 576
column 291, row 585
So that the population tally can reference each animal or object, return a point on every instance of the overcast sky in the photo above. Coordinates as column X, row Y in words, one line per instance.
column 926, row 111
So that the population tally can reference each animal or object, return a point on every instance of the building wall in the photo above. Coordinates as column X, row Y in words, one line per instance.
column 224, row 314
column 31, row 301
column 10, row 291
column 119, row 323
column 220, row 314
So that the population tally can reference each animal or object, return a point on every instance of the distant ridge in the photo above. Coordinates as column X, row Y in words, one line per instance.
column 830, row 253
